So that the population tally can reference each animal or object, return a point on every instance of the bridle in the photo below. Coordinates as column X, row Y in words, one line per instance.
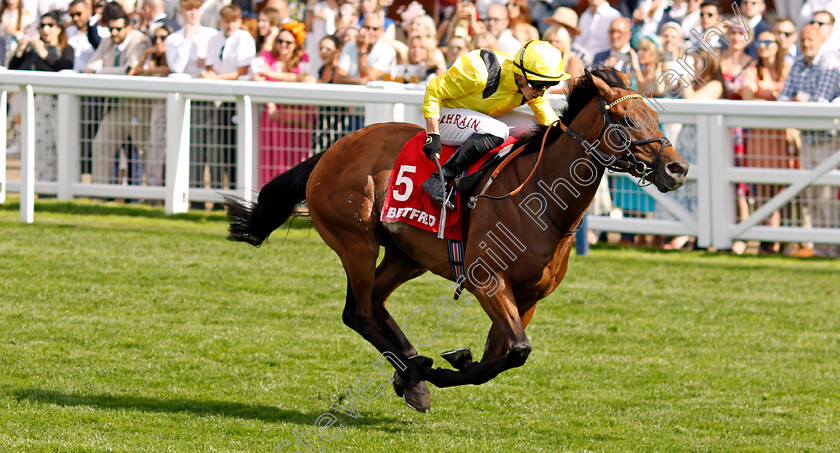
column 621, row 163
column 626, row 161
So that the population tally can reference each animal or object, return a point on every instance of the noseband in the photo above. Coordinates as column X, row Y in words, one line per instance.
column 626, row 161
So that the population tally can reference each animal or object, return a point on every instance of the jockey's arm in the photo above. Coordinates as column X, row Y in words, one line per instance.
column 543, row 111
column 432, row 126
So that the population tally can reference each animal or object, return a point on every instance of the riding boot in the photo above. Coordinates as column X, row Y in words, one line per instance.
column 470, row 151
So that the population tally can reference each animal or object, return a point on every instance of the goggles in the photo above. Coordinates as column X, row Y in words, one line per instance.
column 540, row 85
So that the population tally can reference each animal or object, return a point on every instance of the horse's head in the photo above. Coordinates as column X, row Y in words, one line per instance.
column 633, row 140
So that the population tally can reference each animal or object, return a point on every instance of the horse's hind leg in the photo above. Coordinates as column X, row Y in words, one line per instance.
column 358, row 255
column 395, row 269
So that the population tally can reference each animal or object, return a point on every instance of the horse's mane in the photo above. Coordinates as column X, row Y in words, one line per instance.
column 582, row 91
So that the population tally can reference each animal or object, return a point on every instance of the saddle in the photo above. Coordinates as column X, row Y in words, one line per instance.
column 407, row 202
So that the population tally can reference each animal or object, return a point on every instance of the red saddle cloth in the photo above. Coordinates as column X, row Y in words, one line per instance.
column 407, row 202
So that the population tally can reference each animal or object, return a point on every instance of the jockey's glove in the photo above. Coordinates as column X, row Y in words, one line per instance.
column 432, row 146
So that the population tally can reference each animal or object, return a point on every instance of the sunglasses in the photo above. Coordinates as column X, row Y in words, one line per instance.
column 765, row 43
column 157, row 38
column 541, row 86
column 116, row 29
column 786, row 34
column 47, row 24
column 75, row 14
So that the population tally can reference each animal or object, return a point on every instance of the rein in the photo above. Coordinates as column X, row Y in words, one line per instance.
column 612, row 163
column 510, row 157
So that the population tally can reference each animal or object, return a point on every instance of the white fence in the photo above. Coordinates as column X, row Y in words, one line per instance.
column 708, row 207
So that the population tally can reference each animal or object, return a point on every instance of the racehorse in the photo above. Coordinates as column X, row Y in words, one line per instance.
column 605, row 125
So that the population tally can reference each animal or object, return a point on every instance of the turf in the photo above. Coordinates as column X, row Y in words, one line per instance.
column 124, row 331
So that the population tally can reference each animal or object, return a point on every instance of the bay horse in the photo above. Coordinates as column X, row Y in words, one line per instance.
column 605, row 125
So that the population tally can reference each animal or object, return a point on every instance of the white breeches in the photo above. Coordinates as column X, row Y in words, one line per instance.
column 458, row 125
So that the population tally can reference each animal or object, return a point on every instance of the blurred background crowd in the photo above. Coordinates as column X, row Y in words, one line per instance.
column 754, row 45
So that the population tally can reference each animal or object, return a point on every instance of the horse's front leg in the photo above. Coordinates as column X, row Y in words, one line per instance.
column 507, row 345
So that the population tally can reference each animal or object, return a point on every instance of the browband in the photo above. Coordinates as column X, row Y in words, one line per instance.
column 622, row 99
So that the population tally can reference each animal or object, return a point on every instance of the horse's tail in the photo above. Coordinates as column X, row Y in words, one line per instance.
column 253, row 222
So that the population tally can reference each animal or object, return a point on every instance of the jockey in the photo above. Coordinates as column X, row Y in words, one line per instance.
column 471, row 105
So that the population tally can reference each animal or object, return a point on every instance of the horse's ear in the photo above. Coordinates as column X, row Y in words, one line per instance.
column 607, row 92
column 623, row 78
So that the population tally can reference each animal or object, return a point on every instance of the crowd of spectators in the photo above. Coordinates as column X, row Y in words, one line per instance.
column 242, row 39
column 676, row 48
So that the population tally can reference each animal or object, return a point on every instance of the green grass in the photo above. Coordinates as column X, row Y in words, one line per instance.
column 124, row 331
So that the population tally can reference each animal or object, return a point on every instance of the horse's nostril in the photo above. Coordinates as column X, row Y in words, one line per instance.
column 677, row 169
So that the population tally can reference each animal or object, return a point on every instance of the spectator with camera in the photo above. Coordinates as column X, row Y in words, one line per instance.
column 49, row 52
column 620, row 54
column 368, row 57
column 786, row 33
column 463, row 23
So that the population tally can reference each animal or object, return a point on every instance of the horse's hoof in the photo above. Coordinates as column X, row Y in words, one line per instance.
column 398, row 384
column 458, row 357
column 418, row 397
column 421, row 362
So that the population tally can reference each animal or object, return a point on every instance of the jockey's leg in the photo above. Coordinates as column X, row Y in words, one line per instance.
column 476, row 133
column 519, row 123
column 469, row 152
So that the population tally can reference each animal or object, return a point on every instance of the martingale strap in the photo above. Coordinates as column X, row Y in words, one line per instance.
column 456, row 259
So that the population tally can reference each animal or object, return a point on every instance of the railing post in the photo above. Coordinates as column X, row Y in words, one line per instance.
column 68, row 144
column 27, row 155
column 721, row 207
column 378, row 113
column 255, row 139
column 399, row 113
column 244, row 147
column 177, row 154
column 582, row 237
column 3, row 106
column 705, row 212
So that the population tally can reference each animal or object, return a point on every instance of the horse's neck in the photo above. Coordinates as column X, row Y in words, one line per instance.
column 570, row 174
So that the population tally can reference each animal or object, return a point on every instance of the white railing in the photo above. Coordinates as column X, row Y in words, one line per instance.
column 713, row 172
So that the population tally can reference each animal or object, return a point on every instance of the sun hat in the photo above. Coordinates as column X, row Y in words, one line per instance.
column 566, row 17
